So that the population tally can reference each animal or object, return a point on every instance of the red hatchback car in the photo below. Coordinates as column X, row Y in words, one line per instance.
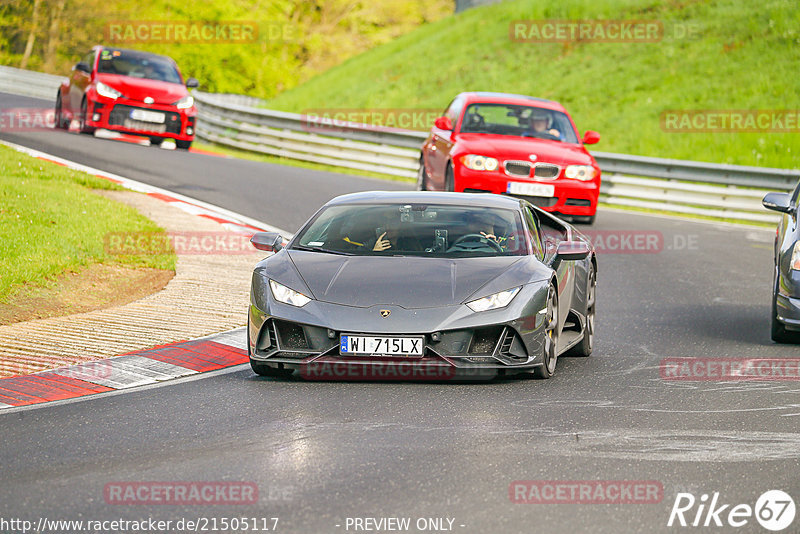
column 131, row 92
column 513, row 145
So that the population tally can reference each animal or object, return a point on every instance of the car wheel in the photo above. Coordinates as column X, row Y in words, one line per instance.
column 584, row 348
column 449, row 179
column 59, row 114
column 156, row 141
column 183, row 145
column 778, row 331
column 82, row 121
column 422, row 177
column 587, row 220
column 548, row 367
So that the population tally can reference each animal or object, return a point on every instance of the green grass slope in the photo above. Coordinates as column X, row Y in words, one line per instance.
column 744, row 56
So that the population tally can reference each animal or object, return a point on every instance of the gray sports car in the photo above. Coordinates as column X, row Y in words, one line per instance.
column 422, row 285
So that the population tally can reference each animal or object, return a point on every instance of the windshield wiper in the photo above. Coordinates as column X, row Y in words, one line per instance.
column 320, row 249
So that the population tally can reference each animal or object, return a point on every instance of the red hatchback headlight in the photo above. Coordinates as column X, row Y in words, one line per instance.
column 584, row 173
column 476, row 162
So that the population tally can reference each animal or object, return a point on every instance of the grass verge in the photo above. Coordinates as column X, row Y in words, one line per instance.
column 51, row 223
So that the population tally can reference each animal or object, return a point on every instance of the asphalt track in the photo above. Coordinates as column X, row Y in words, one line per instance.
column 322, row 452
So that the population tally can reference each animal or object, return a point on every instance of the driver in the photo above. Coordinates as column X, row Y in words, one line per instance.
column 542, row 122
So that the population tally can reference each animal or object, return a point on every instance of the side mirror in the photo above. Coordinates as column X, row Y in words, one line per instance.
column 572, row 250
column 590, row 137
column 83, row 67
column 268, row 241
column 192, row 83
column 443, row 123
column 781, row 202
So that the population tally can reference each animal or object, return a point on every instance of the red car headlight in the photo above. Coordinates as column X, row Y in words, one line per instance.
column 476, row 162
column 185, row 102
column 580, row 172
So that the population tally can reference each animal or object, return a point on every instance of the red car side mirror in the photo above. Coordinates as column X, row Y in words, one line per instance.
column 590, row 137
column 443, row 123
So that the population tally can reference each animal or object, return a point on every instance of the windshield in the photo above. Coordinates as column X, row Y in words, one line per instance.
column 414, row 230
column 137, row 65
column 524, row 121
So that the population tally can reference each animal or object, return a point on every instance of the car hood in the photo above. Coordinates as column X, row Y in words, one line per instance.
column 139, row 88
column 404, row 281
column 512, row 147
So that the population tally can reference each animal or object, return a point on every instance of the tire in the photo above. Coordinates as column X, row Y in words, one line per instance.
column 587, row 220
column 584, row 348
column 449, row 179
column 59, row 114
column 156, row 141
column 82, row 121
column 548, row 368
column 262, row 369
column 422, row 177
column 183, row 145
column 778, row 331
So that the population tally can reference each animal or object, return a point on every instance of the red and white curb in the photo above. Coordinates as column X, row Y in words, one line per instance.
column 144, row 367
column 139, row 368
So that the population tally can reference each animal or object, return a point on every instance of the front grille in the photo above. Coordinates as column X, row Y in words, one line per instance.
column 517, row 168
column 546, row 171
column 292, row 336
column 120, row 116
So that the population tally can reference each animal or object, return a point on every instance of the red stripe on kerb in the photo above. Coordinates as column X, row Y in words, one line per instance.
column 162, row 196
column 24, row 390
column 200, row 356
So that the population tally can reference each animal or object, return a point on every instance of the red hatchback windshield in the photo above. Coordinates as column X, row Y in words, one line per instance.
column 137, row 65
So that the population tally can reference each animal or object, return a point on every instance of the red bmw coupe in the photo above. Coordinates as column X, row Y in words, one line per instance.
column 131, row 92
column 513, row 145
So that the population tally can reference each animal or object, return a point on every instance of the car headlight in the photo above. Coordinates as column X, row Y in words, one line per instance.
column 795, row 264
column 185, row 102
column 476, row 162
column 106, row 91
column 493, row 302
column 579, row 172
column 288, row 296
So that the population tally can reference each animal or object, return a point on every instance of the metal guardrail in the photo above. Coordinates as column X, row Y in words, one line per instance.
column 238, row 121
column 689, row 187
column 29, row 83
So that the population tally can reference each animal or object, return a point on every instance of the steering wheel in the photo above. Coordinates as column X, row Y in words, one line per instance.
column 478, row 241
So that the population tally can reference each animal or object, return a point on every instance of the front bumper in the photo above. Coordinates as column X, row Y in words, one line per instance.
column 787, row 305
column 110, row 114
column 458, row 343
column 572, row 197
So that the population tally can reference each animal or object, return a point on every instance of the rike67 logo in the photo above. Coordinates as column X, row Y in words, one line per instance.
column 774, row 510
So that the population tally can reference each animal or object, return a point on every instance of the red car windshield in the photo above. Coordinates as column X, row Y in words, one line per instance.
column 137, row 65
column 518, row 120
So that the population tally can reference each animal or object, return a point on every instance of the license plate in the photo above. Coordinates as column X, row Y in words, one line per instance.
column 381, row 345
column 531, row 190
column 147, row 116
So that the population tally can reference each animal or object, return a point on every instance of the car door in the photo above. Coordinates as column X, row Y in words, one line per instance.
column 550, row 234
column 78, row 83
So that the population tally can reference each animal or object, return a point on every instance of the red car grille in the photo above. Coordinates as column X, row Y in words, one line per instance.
column 547, row 171
column 518, row 168
column 120, row 116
